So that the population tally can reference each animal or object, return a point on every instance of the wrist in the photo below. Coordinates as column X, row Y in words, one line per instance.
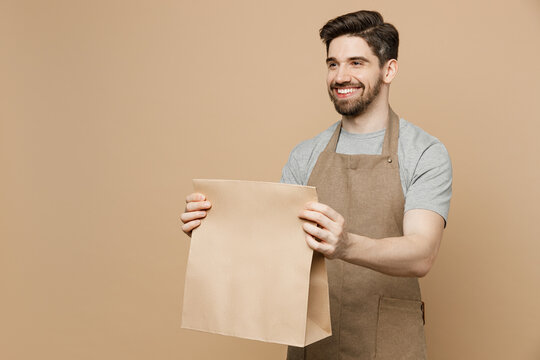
column 356, row 248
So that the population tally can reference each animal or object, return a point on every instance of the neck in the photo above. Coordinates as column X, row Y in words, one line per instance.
column 374, row 118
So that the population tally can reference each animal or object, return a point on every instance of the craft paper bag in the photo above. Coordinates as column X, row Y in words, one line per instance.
column 250, row 272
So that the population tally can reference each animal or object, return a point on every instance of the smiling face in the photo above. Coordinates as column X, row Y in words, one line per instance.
column 354, row 75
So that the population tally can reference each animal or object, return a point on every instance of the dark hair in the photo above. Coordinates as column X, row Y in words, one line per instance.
column 382, row 38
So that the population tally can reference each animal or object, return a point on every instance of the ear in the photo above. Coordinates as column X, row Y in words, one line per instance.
column 390, row 70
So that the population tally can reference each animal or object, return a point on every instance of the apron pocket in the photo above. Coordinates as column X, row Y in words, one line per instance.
column 400, row 329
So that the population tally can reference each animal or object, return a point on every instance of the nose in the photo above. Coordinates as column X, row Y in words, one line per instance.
column 342, row 75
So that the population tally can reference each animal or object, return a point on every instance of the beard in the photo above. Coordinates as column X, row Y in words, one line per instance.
column 358, row 104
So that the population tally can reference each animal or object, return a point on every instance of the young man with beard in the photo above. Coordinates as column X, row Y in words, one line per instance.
column 384, row 188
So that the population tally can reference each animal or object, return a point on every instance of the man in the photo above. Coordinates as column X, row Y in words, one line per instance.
column 384, row 187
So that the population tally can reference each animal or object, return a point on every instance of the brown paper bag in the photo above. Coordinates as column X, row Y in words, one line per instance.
column 250, row 272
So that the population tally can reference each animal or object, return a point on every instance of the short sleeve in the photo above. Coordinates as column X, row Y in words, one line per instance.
column 292, row 171
column 431, row 184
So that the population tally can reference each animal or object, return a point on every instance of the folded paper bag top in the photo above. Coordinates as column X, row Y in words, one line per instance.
column 250, row 272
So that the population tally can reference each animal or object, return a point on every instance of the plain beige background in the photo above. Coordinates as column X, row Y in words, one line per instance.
column 108, row 109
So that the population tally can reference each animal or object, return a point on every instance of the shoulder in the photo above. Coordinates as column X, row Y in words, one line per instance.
column 416, row 144
column 414, row 138
column 306, row 148
column 304, row 155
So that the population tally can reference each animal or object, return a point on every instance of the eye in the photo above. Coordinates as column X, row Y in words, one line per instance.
column 331, row 65
column 357, row 63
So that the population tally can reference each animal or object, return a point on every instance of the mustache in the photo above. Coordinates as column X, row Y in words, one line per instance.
column 346, row 85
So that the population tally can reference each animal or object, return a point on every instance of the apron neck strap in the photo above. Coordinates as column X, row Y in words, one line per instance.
column 391, row 136
column 390, row 145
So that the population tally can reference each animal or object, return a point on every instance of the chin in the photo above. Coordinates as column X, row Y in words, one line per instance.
column 349, row 110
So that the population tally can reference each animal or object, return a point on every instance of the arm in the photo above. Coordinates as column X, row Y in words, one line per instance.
column 412, row 254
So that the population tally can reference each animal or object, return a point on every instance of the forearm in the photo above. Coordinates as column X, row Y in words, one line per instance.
column 409, row 255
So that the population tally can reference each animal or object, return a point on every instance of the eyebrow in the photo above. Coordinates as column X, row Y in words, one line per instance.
column 361, row 58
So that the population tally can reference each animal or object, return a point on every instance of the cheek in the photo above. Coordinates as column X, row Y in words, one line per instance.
column 329, row 79
column 360, row 77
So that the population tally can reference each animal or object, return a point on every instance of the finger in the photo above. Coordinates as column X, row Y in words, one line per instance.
column 188, row 227
column 198, row 205
column 192, row 215
column 317, row 245
column 318, row 218
column 325, row 209
column 195, row 197
column 318, row 233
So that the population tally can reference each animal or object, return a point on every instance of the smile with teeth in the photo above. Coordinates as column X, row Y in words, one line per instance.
column 342, row 92
column 346, row 91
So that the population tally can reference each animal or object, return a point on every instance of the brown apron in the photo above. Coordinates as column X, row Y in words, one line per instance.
column 374, row 316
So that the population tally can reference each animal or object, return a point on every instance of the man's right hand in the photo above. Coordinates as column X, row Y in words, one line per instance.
column 194, row 212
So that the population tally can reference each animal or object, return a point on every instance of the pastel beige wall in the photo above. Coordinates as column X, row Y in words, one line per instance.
column 108, row 109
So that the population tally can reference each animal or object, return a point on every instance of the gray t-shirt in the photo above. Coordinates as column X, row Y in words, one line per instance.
column 424, row 164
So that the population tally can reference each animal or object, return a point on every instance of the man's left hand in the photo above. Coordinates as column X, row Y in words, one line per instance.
column 329, row 237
